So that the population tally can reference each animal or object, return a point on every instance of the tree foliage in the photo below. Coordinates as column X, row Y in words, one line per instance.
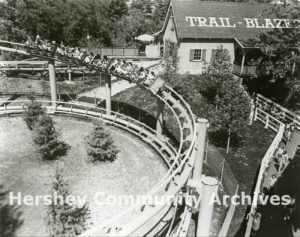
column 109, row 23
column 170, row 62
column 45, row 137
column 10, row 216
column 280, row 57
column 230, row 100
column 216, row 94
column 63, row 219
column 32, row 112
column 100, row 145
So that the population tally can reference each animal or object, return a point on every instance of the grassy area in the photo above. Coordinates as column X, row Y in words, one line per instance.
column 134, row 172
column 28, row 84
column 243, row 160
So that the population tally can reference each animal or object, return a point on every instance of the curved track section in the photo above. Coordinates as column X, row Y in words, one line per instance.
column 145, row 219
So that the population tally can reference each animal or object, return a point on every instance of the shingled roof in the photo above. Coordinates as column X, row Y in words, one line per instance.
column 235, row 11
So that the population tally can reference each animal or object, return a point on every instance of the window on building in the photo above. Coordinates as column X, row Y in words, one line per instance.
column 197, row 54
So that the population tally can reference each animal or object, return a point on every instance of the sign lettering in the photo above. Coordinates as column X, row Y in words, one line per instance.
column 265, row 23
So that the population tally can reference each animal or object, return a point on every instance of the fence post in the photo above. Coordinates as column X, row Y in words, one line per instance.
column 222, row 171
column 267, row 121
column 255, row 114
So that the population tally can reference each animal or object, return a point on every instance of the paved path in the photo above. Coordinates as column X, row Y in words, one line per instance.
column 118, row 86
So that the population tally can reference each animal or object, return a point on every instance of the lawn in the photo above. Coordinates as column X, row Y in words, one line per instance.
column 32, row 83
column 135, row 171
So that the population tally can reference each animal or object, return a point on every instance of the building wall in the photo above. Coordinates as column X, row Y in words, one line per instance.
column 185, row 65
column 170, row 33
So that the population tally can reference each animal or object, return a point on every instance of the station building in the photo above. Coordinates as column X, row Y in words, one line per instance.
column 199, row 28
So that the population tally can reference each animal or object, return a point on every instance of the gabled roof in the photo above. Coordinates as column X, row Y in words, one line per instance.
column 218, row 15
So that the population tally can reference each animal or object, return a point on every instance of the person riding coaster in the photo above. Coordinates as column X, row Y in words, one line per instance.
column 123, row 69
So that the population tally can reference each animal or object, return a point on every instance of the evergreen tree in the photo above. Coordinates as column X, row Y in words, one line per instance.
column 100, row 145
column 63, row 219
column 32, row 112
column 9, row 216
column 45, row 137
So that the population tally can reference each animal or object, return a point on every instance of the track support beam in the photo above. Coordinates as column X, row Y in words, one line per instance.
column 159, row 117
column 108, row 95
column 52, row 79
column 201, row 126
column 209, row 190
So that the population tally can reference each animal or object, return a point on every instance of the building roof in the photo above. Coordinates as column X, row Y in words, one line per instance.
column 219, row 20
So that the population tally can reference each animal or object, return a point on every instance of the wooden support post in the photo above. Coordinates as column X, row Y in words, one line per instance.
column 108, row 95
column 243, row 62
column 159, row 117
column 52, row 79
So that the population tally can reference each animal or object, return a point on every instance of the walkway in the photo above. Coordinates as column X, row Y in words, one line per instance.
column 121, row 85
column 116, row 87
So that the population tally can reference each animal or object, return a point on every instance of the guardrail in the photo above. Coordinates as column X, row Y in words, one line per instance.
column 263, row 167
column 170, row 154
column 277, row 111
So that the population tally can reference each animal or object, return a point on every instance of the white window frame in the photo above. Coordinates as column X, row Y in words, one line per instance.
column 201, row 55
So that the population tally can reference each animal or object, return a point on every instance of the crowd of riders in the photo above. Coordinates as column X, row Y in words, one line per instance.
column 118, row 67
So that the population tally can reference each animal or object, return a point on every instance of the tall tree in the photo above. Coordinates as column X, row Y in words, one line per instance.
column 232, row 109
column 229, row 98
column 64, row 219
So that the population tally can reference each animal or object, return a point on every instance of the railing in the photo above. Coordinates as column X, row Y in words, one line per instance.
column 247, row 70
column 116, row 51
column 263, row 167
column 276, row 110
column 274, row 117
column 160, row 144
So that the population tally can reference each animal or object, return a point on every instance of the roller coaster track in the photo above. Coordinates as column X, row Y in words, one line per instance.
column 145, row 219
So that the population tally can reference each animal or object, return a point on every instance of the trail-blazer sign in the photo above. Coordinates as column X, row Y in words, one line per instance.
column 226, row 22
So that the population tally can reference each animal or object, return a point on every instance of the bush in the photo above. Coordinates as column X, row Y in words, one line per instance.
column 64, row 219
column 45, row 137
column 100, row 145
column 9, row 216
column 32, row 112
